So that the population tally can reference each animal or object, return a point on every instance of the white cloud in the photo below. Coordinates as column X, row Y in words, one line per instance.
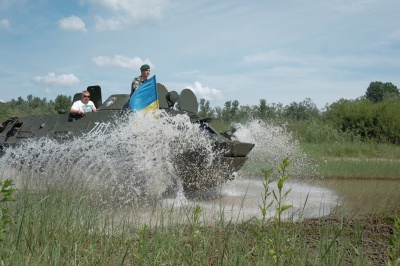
column 206, row 93
column 270, row 57
column 107, row 24
column 72, row 23
column 4, row 24
column 128, row 13
column 65, row 80
column 121, row 61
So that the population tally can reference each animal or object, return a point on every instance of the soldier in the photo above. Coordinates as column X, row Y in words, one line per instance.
column 136, row 82
column 84, row 105
column 145, row 73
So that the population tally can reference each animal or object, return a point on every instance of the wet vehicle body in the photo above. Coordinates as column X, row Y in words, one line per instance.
column 65, row 126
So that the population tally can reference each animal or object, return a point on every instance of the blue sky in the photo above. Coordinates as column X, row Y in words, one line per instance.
column 281, row 51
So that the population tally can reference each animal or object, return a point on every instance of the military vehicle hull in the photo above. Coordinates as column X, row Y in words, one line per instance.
column 65, row 127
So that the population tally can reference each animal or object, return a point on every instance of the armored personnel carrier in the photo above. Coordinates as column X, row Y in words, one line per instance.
column 232, row 154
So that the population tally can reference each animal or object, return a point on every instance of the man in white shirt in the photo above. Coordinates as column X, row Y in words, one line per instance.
column 85, row 105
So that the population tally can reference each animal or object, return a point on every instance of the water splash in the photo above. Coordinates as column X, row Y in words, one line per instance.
column 272, row 144
column 133, row 160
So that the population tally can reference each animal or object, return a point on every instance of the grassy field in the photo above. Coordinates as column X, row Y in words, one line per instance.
column 352, row 150
column 355, row 160
column 65, row 226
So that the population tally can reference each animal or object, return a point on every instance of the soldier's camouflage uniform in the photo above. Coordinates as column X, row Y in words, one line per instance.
column 136, row 82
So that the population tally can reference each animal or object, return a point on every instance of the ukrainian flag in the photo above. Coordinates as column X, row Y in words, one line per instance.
column 145, row 98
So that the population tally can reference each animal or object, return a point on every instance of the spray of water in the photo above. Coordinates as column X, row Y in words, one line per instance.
column 272, row 144
column 135, row 159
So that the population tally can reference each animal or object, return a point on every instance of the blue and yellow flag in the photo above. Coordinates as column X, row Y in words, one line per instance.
column 145, row 98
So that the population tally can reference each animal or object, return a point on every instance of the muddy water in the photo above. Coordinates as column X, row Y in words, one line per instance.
column 239, row 200
column 361, row 196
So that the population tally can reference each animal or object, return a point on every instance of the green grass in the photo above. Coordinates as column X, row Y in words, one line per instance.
column 360, row 168
column 352, row 150
column 355, row 160
column 61, row 226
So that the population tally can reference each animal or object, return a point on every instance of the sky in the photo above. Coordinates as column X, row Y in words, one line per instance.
column 281, row 51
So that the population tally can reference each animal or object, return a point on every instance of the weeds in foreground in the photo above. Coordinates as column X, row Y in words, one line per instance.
column 277, row 243
column 61, row 227
column 394, row 249
column 6, row 192
column 195, row 230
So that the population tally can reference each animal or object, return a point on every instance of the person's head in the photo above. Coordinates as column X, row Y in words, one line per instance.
column 85, row 97
column 145, row 69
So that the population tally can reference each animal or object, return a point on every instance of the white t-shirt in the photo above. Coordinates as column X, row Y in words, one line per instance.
column 86, row 108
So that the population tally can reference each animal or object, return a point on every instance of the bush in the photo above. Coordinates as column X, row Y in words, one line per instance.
column 319, row 132
column 377, row 122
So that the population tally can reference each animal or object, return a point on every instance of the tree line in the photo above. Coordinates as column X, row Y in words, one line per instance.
column 374, row 116
column 33, row 106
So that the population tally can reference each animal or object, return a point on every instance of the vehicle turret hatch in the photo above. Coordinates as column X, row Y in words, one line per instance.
column 188, row 101
column 95, row 95
column 162, row 96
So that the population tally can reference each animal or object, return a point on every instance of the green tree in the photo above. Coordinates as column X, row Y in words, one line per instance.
column 218, row 112
column 62, row 102
column 377, row 90
column 230, row 110
column 205, row 109
column 370, row 121
column 33, row 106
column 387, row 117
column 262, row 109
column 355, row 116
column 304, row 110
column 244, row 114
column 265, row 111
column 36, row 102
